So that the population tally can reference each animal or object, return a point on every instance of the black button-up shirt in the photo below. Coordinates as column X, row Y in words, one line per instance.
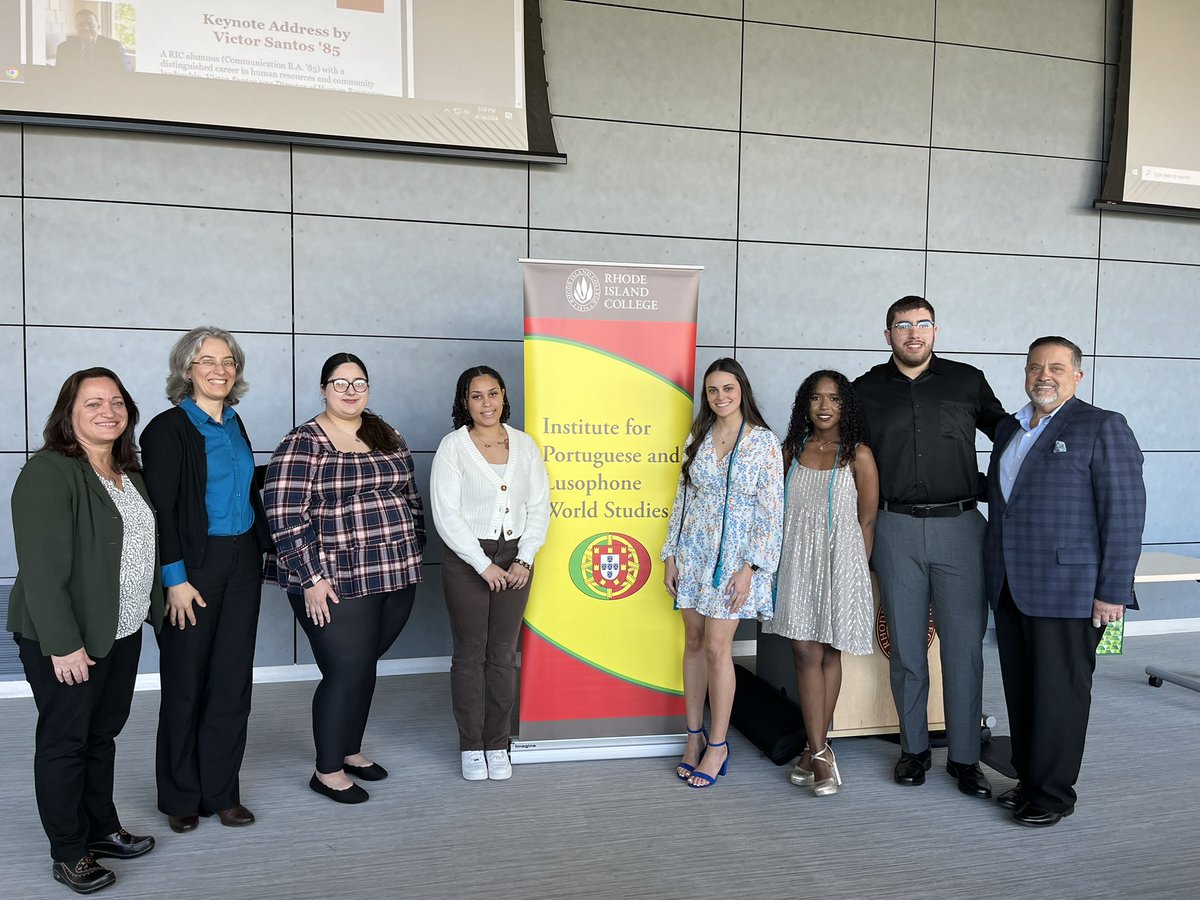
column 923, row 429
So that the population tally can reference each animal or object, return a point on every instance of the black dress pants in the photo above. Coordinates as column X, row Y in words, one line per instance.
column 360, row 630
column 75, row 744
column 1047, row 666
column 207, row 675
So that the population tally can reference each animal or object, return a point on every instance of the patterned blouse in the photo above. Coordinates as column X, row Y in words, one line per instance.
column 705, row 530
column 355, row 519
column 139, row 556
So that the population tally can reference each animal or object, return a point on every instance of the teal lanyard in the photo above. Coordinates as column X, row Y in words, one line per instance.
column 719, row 571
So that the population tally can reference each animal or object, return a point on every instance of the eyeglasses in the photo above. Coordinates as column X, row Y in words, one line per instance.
column 210, row 362
column 341, row 385
column 923, row 325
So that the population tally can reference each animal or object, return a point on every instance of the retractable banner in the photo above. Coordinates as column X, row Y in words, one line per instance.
column 610, row 355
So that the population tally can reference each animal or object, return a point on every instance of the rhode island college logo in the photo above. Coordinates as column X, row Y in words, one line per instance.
column 583, row 289
column 885, row 640
column 610, row 566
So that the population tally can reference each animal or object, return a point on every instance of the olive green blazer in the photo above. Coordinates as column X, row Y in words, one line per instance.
column 68, row 534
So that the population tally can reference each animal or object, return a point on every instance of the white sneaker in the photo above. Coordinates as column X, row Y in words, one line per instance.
column 498, row 766
column 474, row 768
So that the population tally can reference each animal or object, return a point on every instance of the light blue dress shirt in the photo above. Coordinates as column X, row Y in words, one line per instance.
column 1019, row 446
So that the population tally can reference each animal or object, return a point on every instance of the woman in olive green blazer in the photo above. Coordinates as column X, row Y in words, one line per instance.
column 88, row 577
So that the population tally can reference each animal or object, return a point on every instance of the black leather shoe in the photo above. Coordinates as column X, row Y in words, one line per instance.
column 183, row 824
column 236, row 816
column 1012, row 799
column 912, row 767
column 1035, row 817
column 352, row 794
column 971, row 780
column 373, row 772
column 121, row 845
column 83, row 877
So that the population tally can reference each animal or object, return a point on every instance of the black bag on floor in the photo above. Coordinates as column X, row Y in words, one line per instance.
column 768, row 719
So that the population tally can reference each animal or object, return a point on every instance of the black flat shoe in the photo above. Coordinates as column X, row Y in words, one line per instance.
column 971, row 780
column 373, row 772
column 1012, row 799
column 183, row 824
column 1036, row 817
column 912, row 767
column 121, row 845
column 83, row 877
column 352, row 794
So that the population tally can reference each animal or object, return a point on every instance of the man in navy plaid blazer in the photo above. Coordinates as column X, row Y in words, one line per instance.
column 1066, row 506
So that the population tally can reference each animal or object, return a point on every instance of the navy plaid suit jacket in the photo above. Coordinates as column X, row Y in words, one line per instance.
column 1071, row 530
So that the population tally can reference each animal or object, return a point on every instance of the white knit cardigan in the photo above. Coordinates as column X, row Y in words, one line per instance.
column 472, row 502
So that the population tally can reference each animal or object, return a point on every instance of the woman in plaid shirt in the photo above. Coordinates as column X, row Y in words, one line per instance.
column 349, row 530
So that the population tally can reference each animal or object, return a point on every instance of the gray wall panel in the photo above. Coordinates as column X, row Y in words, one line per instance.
column 10, row 160
column 717, row 281
column 804, row 296
column 12, row 289
column 903, row 18
column 428, row 630
column 1072, row 28
column 381, row 277
column 989, row 202
column 1147, row 310
column 992, row 100
column 277, row 630
column 159, row 267
column 832, row 192
column 1167, row 519
column 728, row 8
column 639, row 179
column 12, row 373
column 1163, row 418
column 98, row 165
column 10, row 467
column 971, row 291
column 777, row 374
column 1150, row 238
column 629, row 49
column 833, row 85
column 387, row 186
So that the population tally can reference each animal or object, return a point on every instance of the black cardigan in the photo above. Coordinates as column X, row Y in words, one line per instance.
column 175, row 468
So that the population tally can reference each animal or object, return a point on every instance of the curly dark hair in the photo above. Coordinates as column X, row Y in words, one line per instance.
column 705, row 417
column 852, row 428
column 459, row 413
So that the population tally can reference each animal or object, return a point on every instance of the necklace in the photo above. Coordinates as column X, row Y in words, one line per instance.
column 823, row 444
column 108, row 473
column 349, row 434
column 502, row 442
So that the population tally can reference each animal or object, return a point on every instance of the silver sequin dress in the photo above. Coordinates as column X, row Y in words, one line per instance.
column 824, row 588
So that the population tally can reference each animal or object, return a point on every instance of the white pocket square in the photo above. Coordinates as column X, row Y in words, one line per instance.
column 1060, row 447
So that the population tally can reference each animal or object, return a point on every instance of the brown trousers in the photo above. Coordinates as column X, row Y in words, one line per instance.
column 485, row 625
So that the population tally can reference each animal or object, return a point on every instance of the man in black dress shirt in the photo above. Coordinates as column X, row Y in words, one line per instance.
column 922, row 412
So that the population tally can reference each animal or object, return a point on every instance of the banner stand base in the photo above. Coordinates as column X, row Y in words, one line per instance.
column 572, row 749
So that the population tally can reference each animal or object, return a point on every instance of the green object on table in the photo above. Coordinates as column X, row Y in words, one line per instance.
column 1113, row 641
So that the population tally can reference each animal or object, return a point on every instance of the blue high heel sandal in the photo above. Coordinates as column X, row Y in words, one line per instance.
column 710, row 780
column 688, row 767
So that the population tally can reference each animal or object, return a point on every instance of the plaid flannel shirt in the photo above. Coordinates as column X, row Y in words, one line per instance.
column 355, row 519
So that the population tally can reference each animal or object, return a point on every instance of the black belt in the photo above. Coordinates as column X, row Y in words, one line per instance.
column 929, row 510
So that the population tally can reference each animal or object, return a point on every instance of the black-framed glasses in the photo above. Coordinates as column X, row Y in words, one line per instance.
column 341, row 385
column 923, row 325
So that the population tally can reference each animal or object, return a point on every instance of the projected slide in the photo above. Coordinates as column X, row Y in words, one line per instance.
column 444, row 72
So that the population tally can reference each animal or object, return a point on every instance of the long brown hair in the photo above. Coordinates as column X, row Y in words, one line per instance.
column 705, row 417
column 59, row 433
column 372, row 431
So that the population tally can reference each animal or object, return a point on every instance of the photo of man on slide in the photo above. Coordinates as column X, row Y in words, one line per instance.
column 87, row 51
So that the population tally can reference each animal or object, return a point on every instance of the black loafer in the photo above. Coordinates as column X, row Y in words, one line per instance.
column 83, row 877
column 912, row 767
column 373, row 772
column 1036, row 817
column 971, row 780
column 1012, row 799
column 352, row 794
column 121, row 845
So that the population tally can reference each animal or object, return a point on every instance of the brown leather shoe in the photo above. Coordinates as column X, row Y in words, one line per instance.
column 182, row 824
column 236, row 816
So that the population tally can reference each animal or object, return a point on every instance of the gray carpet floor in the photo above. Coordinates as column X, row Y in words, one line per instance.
column 630, row 829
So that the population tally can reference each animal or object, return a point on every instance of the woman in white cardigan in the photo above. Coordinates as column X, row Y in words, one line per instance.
column 491, row 506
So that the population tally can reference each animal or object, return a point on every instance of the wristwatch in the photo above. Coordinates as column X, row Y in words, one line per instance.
column 753, row 566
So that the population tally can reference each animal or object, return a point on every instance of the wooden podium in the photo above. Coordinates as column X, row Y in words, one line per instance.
column 865, row 705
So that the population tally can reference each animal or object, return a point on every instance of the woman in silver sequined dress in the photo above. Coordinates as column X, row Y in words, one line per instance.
column 823, row 597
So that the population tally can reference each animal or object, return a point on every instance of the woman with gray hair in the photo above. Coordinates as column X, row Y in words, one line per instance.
column 199, row 470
